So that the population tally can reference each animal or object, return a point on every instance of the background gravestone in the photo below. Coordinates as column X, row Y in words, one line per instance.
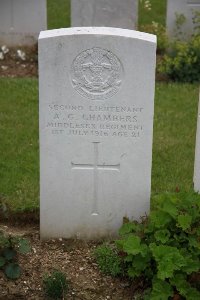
column 110, row 13
column 21, row 21
column 197, row 155
column 188, row 9
column 96, row 126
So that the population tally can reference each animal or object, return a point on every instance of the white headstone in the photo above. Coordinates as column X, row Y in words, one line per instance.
column 110, row 13
column 21, row 21
column 96, row 125
column 187, row 8
column 197, row 155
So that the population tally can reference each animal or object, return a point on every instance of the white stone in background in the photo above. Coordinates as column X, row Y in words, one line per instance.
column 4, row 49
column 21, row 54
column 185, row 7
column 197, row 154
column 21, row 21
column 110, row 13
column 1, row 56
column 96, row 126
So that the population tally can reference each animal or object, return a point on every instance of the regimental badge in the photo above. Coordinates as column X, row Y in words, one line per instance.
column 96, row 74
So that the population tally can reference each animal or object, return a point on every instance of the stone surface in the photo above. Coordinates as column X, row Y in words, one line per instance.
column 186, row 8
column 96, row 125
column 21, row 21
column 197, row 154
column 110, row 13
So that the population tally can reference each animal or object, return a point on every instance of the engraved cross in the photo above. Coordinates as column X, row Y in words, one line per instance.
column 95, row 167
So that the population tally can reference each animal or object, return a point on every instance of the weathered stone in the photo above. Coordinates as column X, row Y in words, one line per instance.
column 185, row 8
column 96, row 126
column 21, row 21
column 110, row 13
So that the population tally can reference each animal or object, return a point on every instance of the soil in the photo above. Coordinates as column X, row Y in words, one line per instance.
column 73, row 257
column 19, row 62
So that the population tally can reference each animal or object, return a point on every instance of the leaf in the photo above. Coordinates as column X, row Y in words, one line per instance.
column 192, row 294
column 168, row 259
column 137, row 264
column 179, row 281
column 132, row 272
column 161, row 290
column 197, row 230
column 128, row 258
column 12, row 271
column 180, row 236
column 162, row 236
column 141, row 263
column 24, row 246
column 170, row 208
column 132, row 245
column 119, row 244
column 160, row 219
column 2, row 261
column 194, row 242
column 184, row 288
column 127, row 228
column 192, row 265
column 9, row 253
column 184, row 221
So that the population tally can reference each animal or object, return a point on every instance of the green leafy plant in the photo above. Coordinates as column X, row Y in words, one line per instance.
column 182, row 61
column 164, row 248
column 55, row 285
column 10, row 246
column 108, row 260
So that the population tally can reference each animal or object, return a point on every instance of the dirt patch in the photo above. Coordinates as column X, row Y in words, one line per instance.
column 73, row 257
column 18, row 62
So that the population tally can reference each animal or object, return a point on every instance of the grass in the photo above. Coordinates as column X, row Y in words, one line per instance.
column 156, row 14
column 19, row 165
column 174, row 137
column 173, row 147
column 58, row 13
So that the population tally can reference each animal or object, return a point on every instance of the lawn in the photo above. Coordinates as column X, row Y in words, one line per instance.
column 58, row 13
column 174, row 137
column 19, row 165
column 156, row 13
column 173, row 146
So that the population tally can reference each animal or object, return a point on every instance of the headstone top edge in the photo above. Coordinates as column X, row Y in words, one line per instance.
column 110, row 31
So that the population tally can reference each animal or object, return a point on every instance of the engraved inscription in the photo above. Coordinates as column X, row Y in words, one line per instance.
column 96, row 74
column 95, row 120
column 95, row 167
